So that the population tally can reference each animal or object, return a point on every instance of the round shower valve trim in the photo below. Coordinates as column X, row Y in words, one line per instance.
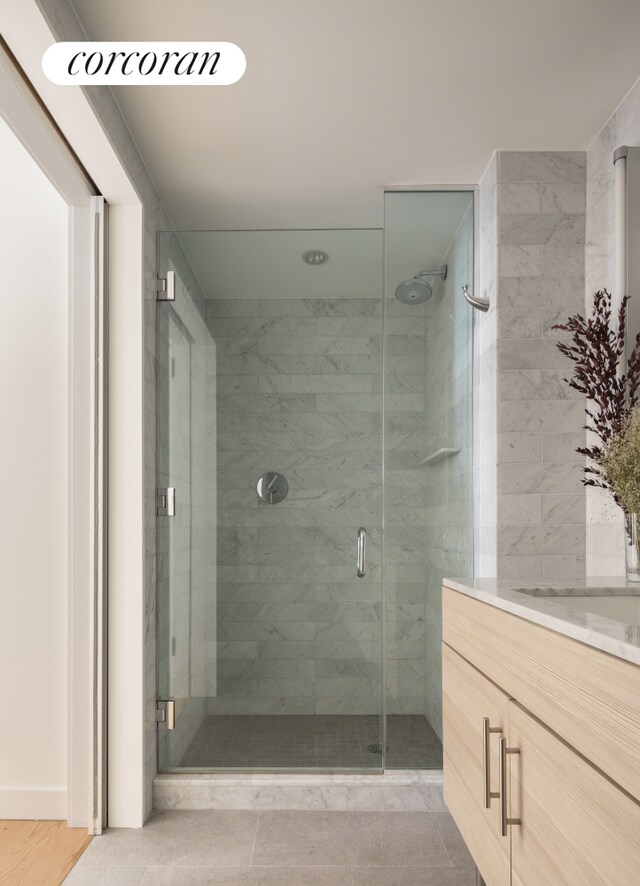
column 272, row 487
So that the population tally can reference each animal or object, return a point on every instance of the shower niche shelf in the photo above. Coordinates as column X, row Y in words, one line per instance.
column 438, row 455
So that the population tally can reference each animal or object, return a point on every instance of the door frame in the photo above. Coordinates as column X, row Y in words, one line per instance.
column 28, row 34
column 29, row 122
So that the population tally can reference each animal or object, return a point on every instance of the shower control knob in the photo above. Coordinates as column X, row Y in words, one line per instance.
column 272, row 487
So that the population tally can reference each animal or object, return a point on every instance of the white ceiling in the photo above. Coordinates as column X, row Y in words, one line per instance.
column 419, row 229
column 268, row 264
column 342, row 97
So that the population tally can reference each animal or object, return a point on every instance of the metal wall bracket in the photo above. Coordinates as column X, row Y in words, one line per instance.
column 166, row 713
column 166, row 501
column 166, row 287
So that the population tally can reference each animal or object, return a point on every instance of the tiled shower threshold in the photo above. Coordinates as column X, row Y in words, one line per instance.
column 407, row 790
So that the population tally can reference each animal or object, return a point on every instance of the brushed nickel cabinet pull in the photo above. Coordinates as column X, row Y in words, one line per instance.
column 487, row 730
column 504, row 821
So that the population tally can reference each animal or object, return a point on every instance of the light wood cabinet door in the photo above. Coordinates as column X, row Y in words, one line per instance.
column 468, row 697
column 577, row 828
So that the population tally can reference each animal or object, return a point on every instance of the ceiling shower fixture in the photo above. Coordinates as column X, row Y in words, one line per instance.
column 416, row 290
column 315, row 257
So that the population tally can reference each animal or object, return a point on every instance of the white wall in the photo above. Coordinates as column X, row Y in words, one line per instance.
column 33, row 479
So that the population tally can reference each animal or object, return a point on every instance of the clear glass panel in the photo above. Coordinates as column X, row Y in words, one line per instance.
column 268, row 642
column 428, row 477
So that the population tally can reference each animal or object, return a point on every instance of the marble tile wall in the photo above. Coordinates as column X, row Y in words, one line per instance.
column 298, row 392
column 605, row 531
column 541, row 239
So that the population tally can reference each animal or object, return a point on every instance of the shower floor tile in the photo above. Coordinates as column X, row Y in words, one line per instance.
column 312, row 741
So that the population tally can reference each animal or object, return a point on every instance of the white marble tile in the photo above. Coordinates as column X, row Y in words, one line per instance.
column 542, row 166
column 519, row 198
column 408, row 791
column 545, row 292
column 536, row 540
column 562, row 510
column 520, row 261
column 543, row 478
column 519, row 447
column 520, row 322
column 562, row 261
column 519, row 509
column 549, row 228
column 564, row 567
column 559, row 447
column 530, row 354
column 565, row 197
column 510, row 566
column 543, row 415
column 535, row 384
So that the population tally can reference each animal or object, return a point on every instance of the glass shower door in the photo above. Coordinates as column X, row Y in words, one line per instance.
column 269, row 392
column 429, row 489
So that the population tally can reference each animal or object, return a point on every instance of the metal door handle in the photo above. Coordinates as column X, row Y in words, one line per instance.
column 504, row 821
column 487, row 730
column 361, row 561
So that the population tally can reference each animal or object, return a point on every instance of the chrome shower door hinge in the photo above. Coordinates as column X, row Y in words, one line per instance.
column 166, row 501
column 166, row 287
column 166, row 713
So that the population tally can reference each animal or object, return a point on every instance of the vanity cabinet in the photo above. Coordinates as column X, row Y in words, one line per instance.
column 554, row 818
column 471, row 762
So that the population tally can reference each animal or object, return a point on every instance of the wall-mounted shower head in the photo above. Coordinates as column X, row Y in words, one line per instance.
column 416, row 290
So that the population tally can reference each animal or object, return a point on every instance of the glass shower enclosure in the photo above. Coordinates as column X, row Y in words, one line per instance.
column 298, row 405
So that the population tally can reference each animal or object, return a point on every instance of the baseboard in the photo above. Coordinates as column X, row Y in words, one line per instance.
column 27, row 802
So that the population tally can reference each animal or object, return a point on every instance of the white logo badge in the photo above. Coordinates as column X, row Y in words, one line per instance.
column 144, row 64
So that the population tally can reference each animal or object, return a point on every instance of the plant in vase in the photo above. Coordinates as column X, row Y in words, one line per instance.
column 597, row 348
column 620, row 465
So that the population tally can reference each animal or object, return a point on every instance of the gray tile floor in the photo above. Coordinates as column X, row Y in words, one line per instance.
column 246, row 848
column 308, row 742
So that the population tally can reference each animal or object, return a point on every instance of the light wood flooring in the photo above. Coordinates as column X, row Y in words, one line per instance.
column 39, row 853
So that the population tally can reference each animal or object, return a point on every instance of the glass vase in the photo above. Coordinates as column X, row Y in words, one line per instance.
column 632, row 547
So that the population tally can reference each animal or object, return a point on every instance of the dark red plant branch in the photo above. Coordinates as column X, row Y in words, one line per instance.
column 597, row 350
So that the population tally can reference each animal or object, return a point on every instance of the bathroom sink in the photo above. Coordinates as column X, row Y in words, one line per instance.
column 618, row 604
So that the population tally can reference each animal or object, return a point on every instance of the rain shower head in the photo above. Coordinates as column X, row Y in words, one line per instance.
column 416, row 290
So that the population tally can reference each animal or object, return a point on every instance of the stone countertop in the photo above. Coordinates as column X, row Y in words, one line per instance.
column 554, row 611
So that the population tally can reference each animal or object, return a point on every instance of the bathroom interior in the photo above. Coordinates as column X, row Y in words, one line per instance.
column 366, row 624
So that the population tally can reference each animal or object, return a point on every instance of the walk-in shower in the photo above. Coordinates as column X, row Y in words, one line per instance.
column 298, row 404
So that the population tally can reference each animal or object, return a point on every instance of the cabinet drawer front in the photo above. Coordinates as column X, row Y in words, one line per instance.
column 588, row 697
column 467, row 697
column 576, row 827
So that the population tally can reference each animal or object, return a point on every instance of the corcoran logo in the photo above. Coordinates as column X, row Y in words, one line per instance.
column 144, row 64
